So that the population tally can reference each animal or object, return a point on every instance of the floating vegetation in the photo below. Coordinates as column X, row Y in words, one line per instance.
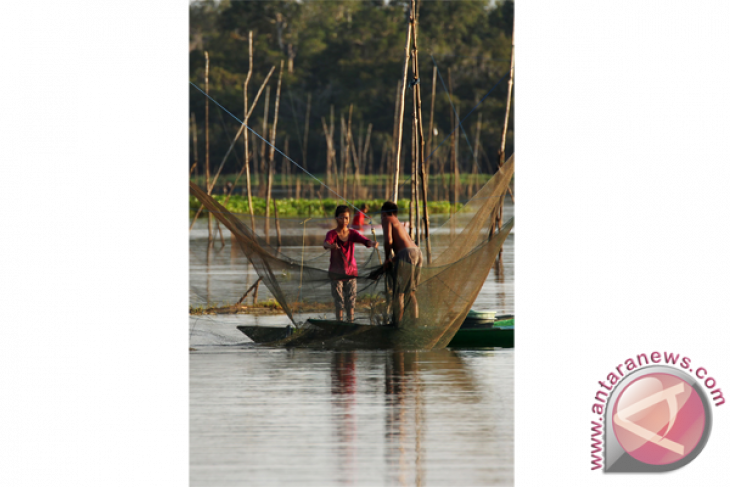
column 303, row 207
column 262, row 307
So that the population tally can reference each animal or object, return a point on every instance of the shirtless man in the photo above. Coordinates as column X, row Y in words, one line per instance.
column 407, row 262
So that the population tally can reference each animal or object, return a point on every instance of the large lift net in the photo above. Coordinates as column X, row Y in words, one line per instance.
column 463, row 250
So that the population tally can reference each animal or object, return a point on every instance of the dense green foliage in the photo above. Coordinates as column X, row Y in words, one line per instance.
column 350, row 52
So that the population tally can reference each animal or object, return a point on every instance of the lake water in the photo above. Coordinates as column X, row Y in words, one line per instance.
column 303, row 417
column 299, row 417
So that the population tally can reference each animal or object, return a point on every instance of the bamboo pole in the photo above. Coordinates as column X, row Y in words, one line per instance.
column 498, row 220
column 391, row 158
column 360, row 141
column 474, row 167
column 285, row 168
column 245, row 136
column 207, row 147
column 194, row 129
column 278, row 228
column 344, row 152
column 270, row 179
column 238, row 134
column 457, row 173
column 301, row 269
column 430, row 120
column 351, row 149
column 247, row 292
column 368, row 150
column 356, row 171
column 328, row 175
column 306, row 135
column 262, row 159
column 407, row 55
column 255, row 157
column 453, row 143
column 332, row 135
column 509, row 99
column 422, row 170
column 335, row 165
column 248, row 112
column 411, row 221
column 383, row 161
column 349, row 143
column 413, row 216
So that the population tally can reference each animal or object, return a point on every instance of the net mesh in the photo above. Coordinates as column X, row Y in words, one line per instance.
column 462, row 253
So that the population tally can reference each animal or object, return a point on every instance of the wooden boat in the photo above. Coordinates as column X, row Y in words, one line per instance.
column 499, row 334
column 476, row 332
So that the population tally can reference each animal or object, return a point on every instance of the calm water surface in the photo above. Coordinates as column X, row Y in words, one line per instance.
column 302, row 417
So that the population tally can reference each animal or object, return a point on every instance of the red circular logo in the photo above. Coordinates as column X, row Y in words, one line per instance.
column 659, row 419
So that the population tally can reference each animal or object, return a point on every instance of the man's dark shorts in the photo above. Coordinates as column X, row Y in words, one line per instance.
column 408, row 264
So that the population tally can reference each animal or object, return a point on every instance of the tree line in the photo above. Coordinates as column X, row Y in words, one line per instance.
column 342, row 63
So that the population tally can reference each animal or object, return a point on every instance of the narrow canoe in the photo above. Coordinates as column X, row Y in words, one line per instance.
column 472, row 335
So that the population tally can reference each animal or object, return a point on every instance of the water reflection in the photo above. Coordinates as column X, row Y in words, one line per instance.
column 303, row 417
column 403, row 413
column 344, row 389
column 403, row 400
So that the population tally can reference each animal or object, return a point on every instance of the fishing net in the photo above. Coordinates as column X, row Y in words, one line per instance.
column 463, row 250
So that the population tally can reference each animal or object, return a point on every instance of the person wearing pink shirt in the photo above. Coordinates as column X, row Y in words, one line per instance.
column 341, row 241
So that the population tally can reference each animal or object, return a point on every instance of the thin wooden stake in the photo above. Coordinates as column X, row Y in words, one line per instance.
column 306, row 134
column 391, row 156
column 262, row 160
column 270, row 180
column 207, row 147
column 430, row 120
column 248, row 115
column 498, row 220
column 255, row 284
column 194, row 129
column 423, row 173
column 407, row 55
column 278, row 228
